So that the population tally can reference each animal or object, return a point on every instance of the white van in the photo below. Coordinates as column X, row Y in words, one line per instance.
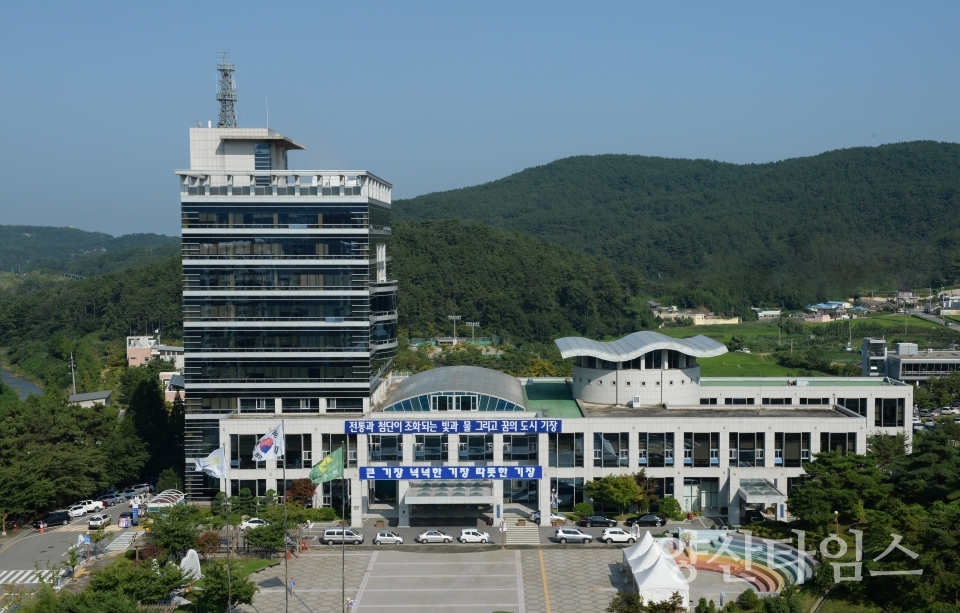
column 333, row 536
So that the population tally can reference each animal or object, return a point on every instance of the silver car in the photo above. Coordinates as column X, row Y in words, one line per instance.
column 387, row 538
column 433, row 536
column 572, row 535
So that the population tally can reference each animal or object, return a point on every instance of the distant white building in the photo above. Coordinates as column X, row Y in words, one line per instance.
column 143, row 349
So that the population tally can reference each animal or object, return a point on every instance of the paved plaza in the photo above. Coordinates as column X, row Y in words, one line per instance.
column 561, row 579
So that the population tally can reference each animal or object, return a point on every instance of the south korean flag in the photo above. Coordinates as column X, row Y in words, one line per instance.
column 270, row 445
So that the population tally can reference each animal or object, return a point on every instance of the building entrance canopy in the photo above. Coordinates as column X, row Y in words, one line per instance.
column 760, row 491
column 452, row 426
column 449, row 473
column 444, row 492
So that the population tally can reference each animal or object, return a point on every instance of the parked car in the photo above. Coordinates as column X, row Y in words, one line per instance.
column 553, row 517
column 385, row 537
column 57, row 518
column 134, row 521
column 98, row 521
column 572, row 535
column 472, row 535
column 253, row 522
column 596, row 520
column 433, row 536
column 754, row 516
column 341, row 535
column 128, row 493
column 929, row 423
column 77, row 510
column 110, row 499
column 616, row 535
column 143, row 488
column 90, row 505
column 646, row 520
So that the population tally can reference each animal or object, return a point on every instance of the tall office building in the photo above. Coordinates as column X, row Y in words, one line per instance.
column 289, row 309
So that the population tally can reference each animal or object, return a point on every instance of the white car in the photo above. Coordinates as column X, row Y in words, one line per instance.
column 553, row 517
column 90, row 505
column 433, row 536
column 253, row 522
column 98, row 521
column 77, row 510
column 472, row 535
column 616, row 535
column 387, row 537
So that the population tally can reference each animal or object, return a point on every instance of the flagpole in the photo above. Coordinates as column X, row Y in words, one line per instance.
column 343, row 520
column 286, row 580
column 226, row 524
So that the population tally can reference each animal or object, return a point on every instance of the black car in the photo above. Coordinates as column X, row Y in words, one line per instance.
column 754, row 516
column 646, row 520
column 597, row 520
column 57, row 518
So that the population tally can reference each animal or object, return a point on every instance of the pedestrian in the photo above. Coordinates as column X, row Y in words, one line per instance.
column 290, row 587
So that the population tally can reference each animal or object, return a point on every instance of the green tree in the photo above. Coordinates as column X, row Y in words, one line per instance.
column 176, row 528
column 670, row 508
column 169, row 480
column 618, row 490
column 146, row 582
column 215, row 593
column 46, row 600
column 149, row 414
column 270, row 536
column 835, row 482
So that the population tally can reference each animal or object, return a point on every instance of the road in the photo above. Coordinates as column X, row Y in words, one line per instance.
column 23, row 555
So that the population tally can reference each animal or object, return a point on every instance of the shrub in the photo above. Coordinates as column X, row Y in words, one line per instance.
column 748, row 600
column 583, row 509
column 670, row 507
column 321, row 514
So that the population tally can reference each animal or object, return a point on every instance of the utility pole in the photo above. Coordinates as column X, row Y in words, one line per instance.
column 454, row 319
column 73, row 374
column 473, row 326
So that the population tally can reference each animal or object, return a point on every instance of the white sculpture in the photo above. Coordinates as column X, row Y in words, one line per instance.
column 190, row 565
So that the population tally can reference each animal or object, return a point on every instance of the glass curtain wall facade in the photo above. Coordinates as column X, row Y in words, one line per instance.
column 288, row 306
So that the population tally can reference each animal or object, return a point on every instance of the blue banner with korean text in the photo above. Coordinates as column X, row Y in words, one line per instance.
column 452, row 426
column 448, row 473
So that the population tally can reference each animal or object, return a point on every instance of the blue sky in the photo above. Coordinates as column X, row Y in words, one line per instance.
column 96, row 99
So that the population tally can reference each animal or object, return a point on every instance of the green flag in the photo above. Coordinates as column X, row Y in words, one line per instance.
column 329, row 468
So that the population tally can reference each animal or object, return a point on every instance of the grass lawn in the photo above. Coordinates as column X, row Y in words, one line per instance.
column 743, row 365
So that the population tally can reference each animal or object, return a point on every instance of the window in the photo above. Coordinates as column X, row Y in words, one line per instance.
column 257, row 487
column 520, row 490
column 815, row 401
column 701, row 449
column 261, row 161
column 653, row 360
column 301, row 405
column 298, row 452
column 565, row 450
column 738, row 400
column 611, row 449
column 746, row 449
column 791, row 449
column 518, row 447
column 331, row 442
column 708, row 401
column 777, row 401
column 841, row 442
column 257, row 405
column 241, row 451
column 888, row 412
column 857, row 405
column 385, row 448
column 476, row 447
column 431, row 447
column 673, row 358
column 568, row 492
column 656, row 449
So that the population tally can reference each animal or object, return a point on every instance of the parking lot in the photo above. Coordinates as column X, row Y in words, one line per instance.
column 448, row 579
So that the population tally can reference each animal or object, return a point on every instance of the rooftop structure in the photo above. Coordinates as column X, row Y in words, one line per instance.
column 637, row 344
column 458, row 388
column 91, row 398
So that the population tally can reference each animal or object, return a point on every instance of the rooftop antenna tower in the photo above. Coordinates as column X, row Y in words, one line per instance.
column 227, row 94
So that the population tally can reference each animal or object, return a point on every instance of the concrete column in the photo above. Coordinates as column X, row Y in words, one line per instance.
column 356, row 502
column 733, row 506
column 403, row 510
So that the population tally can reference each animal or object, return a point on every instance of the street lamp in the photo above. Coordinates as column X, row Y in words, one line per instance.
column 454, row 319
column 836, row 519
column 472, row 325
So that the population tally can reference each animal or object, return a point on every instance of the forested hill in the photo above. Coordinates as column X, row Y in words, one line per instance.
column 26, row 247
column 786, row 233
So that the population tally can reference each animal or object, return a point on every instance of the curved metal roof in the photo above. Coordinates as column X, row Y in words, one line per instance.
column 460, row 379
column 636, row 344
